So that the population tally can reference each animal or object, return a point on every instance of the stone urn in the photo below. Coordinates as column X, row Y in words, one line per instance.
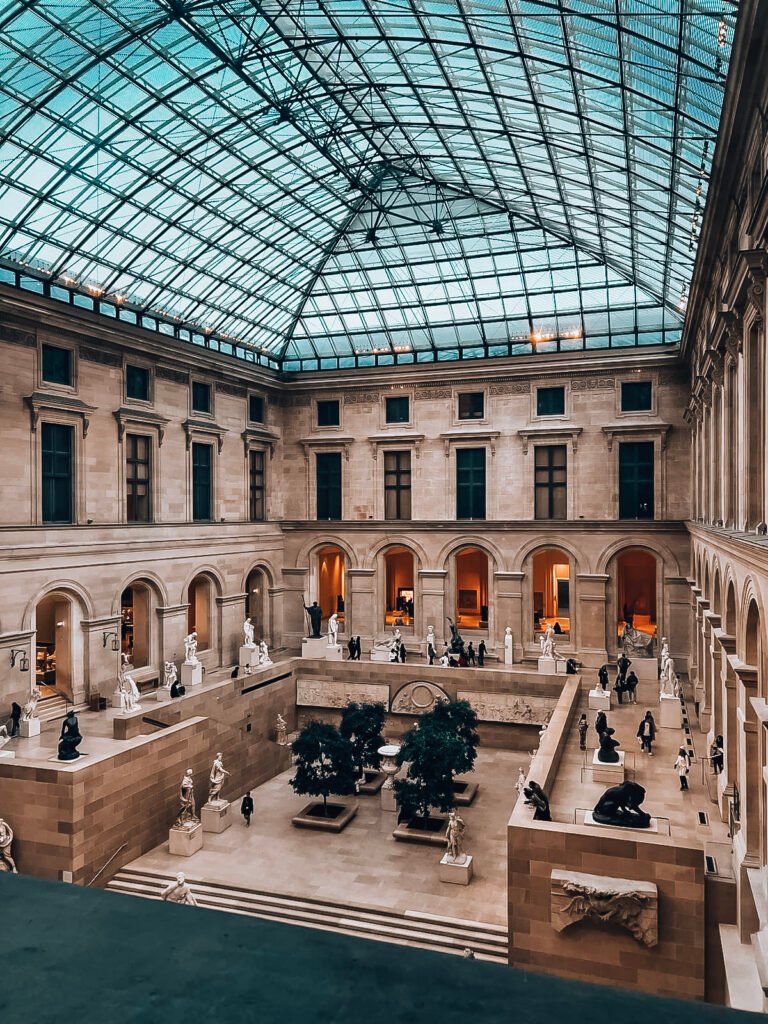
column 389, row 766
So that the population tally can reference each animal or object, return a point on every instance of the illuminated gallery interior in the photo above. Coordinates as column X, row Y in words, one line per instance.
column 383, row 520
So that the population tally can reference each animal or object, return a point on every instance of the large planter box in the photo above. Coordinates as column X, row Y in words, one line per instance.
column 465, row 791
column 373, row 782
column 339, row 816
column 413, row 830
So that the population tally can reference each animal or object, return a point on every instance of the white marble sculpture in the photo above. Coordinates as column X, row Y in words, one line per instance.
column 508, row 645
column 520, row 784
column 333, row 630
column 216, row 780
column 248, row 634
column 281, row 731
column 264, row 658
column 454, row 836
column 431, row 636
column 547, row 641
column 29, row 709
column 170, row 675
column 129, row 693
column 7, row 862
column 179, row 892
column 187, row 817
column 664, row 656
column 669, row 682
column 190, row 649
column 4, row 737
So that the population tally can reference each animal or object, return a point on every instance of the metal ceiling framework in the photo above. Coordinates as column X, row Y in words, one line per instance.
column 315, row 184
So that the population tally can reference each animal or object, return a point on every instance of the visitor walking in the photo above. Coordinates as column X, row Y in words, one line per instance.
column 682, row 767
column 481, row 651
column 246, row 809
column 631, row 684
column 623, row 666
column 583, row 726
column 351, row 649
column 647, row 733
column 403, row 653
column 470, row 654
column 716, row 755
column 602, row 677
column 620, row 686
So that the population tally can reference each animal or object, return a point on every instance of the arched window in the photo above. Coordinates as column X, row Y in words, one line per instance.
column 135, row 624
column 636, row 588
column 331, row 582
column 58, row 650
column 471, row 598
column 199, row 611
column 399, row 592
column 552, row 591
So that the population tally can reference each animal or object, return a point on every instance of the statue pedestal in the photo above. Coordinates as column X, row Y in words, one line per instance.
column 333, row 652
column 249, row 658
column 652, row 828
column 117, row 700
column 216, row 816
column 7, row 754
column 314, row 647
column 183, row 842
column 191, row 675
column 670, row 712
column 551, row 665
column 508, row 652
column 29, row 727
column 380, row 655
column 646, row 670
column 612, row 773
column 162, row 693
column 599, row 699
column 457, row 872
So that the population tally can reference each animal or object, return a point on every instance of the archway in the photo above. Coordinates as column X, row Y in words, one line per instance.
column 730, row 610
column 552, row 591
column 636, row 591
column 471, row 589
column 257, row 603
column 331, row 582
column 58, row 645
column 199, row 611
column 136, row 624
column 754, row 757
column 399, row 589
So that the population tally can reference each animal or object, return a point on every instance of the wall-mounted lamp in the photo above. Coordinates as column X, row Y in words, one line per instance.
column 20, row 656
column 105, row 636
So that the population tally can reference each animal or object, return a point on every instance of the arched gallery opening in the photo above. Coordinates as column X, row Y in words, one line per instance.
column 471, row 599
column 636, row 591
column 199, row 611
column 256, row 594
column 58, row 644
column 331, row 582
column 551, row 591
column 135, row 624
column 399, row 589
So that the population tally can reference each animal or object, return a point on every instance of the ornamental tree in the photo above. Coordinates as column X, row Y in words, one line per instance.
column 324, row 763
column 460, row 717
column 361, row 724
column 431, row 751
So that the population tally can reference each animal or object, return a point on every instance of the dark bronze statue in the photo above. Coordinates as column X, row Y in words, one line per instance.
column 536, row 797
column 457, row 644
column 601, row 722
column 70, row 738
column 620, row 805
column 607, row 752
column 315, row 613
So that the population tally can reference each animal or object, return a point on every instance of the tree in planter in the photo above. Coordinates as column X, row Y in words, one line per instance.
column 460, row 717
column 431, row 751
column 361, row 724
column 324, row 763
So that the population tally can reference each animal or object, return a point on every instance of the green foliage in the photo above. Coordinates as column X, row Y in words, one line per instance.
column 431, row 751
column 362, row 725
column 324, row 762
column 459, row 716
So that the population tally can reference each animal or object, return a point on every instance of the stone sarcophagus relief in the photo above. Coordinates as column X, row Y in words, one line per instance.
column 417, row 698
column 509, row 707
column 629, row 903
column 322, row 693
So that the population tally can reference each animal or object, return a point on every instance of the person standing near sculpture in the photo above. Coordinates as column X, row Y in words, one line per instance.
column 470, row 654
column 351, row 649
column 716, row 753
column 246, row 809
column 682, row 767
column 582, row 727
column 646, row 733
column 16, row 710
column 179, row 892
column 623, row 666
column 315, row 613
column 482, row 650
column 631, row 686
column 216, row 779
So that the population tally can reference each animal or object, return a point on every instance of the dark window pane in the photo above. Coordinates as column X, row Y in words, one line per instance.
column 137, row 383
column 471, row 405
column 57, row 447
column 202, row 481
column 397, row 485
column 201, row 396
column 470, row 483
column 636, row 492
column 57, row 365
column 550, row 401
column 137, row 478
column 636, row 396
column 256, row 409
column 328, row 414
column 328, row 485
column 397, row 409
column 256, row 473
column 550, row 476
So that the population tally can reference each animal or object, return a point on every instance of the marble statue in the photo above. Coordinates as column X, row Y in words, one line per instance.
column 4, row 737
column 129, row 693
column 635, row 642
column 179, row 892
column 431, row 637
column 669, row 682
column 190, row 648
column 508, row 641
column 315, row 613
column 216, row 780
column 547, row 641
column 29, row 709
column 70, row 738
column 520, row 784
column 620, row 805
column 264, row 658
column 170, row 675
column 333, row 630
column 454, row 836
column 607, row 752
column 187, row 818
column 248, row 634
column 537, row 798
column 281, row 729
column 7, row 863
column 664, row 656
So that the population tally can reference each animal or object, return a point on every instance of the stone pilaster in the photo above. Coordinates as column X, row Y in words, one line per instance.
column 590, row 640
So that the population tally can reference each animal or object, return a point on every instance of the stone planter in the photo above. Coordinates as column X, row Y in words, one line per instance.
column 429, row 831
column 465, row 792
column 373, row 782
column 339, row 816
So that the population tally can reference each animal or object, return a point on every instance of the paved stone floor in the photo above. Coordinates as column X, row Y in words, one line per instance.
column 364, row 864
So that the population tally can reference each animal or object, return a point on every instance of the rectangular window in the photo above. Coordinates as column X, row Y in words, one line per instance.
column 398, row 409
column 551, row 481
column 470, row 483
column 550, row 401
column 328, row 414
column 201, row 396
column 57, row 445
column 397, row 485
column 471, row 405
column 57, row 365
column 636, row 396
column 255, row 408
column 137, row 383
column 328, row 468
column 138, row 451
column 202, row 482
column 636, row 497
column 256, row 486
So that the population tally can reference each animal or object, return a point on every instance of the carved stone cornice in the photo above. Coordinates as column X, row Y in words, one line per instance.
column 127, row 417
column 452, row 437
column 550, row 434
column 310, row 444
column 43, row 401
column 401, row 441
column 628, row 430
column 259, row 435
column 204, row 428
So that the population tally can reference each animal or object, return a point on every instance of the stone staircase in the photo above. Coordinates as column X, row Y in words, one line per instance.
column 411, row 928
column 52, row 709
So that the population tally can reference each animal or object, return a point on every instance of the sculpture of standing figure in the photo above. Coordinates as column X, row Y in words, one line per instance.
column 394, row 646
column 431, row 636
column 520, row 784
column 7, row 863
column 70, row 738
column 281, row 729
column 129, row 693
column 28, row 711
column 547, row 641
column 508, row 645
column 315, row 613
column 457, row 644
column 216, row 779
column 454, row 836
column 264, row 658
column 170, row 675
column 190, row 648
column 333, row 630
column 669, row 682
column 187, row 818
column 664, row 656
column 179, row 892
column 248, row 634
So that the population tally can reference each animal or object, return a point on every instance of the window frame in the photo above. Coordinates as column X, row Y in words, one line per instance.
column 71, row 348
column 72, row 475
column 136, row 364
column 317, row 425
column 263, row 489
column 550, row 415
column 644, row 413
column 340, row 456
column 196, row 381
column 398, row 489
column 466, row 449
column 550, row 485
column 150, row 475
column 211, row 482
column 458, row 393
column 386, row 399
column 623, row 445
column 251, row 396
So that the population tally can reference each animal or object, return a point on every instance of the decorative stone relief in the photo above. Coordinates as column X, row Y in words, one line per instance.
column 167, row 373
column 520, row 387
column 632, row 904
column 322, row 693
column 235, row 390
column 97, row 355
column 362, row 398
column 432, row 393
column 510, row 707
column 417, row 698
column 593, row 384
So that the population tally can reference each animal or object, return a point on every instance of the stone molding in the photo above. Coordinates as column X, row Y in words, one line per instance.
column 629, row 903
column 42, row 401
column 169, row 374
column 99, row 355
column 127, row 417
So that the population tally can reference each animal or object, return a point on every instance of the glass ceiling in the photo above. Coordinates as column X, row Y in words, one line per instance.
column 320, row 183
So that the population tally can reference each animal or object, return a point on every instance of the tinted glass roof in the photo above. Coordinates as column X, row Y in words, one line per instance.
column 327, row 182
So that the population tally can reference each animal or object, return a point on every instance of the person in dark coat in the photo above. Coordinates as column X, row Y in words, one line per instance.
column 481, row 652
column 623, row 666
column 602, row 677
column 631, row 685
column 716, row 753
column 177, row 689
column 470, row 654
column 583, row 726
column 620, row 687
column 403, row 653
column 246, row 809
column 351, row 647
column 646, row 733
column 15, row 718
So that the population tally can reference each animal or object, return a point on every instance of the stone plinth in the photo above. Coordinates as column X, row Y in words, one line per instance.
column 670, row 712
column 248, row 659
column 508, row 654
column 216, row 816
column 191, row 675
column 599, row 699
column 162, row 693
column 551, row 665
column 653, row 828
column 183, row 842
column 314, row 647
column 7, row 754
column 117, row 699
column 388, row 754
column 29, row 727
column 612, row 773
column 333, row 652
column 457, row 872
column 380, row 655
column 646, row 669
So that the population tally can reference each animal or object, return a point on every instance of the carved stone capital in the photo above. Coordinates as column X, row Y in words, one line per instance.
column 631, row 904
